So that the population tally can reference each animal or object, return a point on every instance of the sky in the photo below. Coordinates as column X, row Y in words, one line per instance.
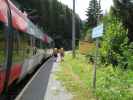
column 82, row 5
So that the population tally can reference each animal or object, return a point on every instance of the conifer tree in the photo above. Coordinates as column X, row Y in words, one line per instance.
column 92, row 12
column 123, row 10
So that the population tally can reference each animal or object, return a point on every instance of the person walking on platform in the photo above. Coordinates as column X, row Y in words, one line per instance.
column 55, row 53
column 62, row 54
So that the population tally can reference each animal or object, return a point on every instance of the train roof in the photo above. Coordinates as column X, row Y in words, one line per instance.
column 21, row 22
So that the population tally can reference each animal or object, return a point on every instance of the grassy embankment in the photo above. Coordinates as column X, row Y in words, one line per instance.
column 112, row 84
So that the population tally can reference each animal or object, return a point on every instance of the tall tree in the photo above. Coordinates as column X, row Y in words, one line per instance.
column 123, row 9
column 92, row 12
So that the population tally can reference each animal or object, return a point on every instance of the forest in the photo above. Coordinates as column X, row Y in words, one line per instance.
column 54, row 18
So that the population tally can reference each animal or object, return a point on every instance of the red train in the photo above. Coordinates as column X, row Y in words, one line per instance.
column 22, row 44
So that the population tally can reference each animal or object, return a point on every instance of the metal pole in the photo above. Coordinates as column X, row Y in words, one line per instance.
column 96, row 54
column 73, row 30
column 95, row 64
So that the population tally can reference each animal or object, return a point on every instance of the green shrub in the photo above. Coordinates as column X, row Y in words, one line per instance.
column 115, row 48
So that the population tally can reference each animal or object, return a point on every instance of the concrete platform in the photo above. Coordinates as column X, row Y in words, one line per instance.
column 55, row 91
column 44, row 86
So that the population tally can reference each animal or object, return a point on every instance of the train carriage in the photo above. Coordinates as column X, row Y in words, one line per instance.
column 29, row 44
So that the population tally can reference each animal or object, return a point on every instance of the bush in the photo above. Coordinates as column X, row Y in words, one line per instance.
column 115, row 48
column 125, row 60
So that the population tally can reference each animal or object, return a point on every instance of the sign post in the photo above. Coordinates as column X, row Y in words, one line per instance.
column 97, row 32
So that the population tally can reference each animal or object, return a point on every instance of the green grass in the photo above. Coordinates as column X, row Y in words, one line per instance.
column 112, row 84
column 72, row 77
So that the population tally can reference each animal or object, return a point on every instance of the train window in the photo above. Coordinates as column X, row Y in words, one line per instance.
column 2, row 45
column 25, row 43
column 21, row 44
column 33, row 45
column 25, row 46
column 17, row 55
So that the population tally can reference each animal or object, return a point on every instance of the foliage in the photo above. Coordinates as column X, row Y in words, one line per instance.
column 112, row 83
column 93, row 16
column 126, row 58
column 115, row 47
column 113, row 38
column 123, row 9
column 92, row 13
column 86, row 35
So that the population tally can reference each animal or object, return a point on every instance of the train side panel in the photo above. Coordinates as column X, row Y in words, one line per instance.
column 30, row 64
column 15, row 73
column 2, row 78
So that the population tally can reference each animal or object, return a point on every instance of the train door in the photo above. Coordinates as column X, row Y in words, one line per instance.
column 17, row 57
column 2, row 56
column 2, row 46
